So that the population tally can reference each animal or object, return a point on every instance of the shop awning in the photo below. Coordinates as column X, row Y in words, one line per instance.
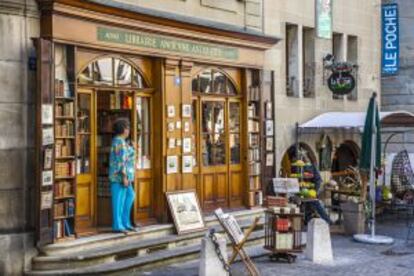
column 354, row 121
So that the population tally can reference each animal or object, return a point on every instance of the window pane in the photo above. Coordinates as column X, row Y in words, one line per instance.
column 84, row 113
column 103, row 72
column 234, row 117
column 231, row 90
column 195, row 85
column 194, row 132
column 205, row 81
column 86, row 77
column 213, row 149
column 143, row 133
column 123, row 73
column 213, row 117
column 235, row 148
column 138, row 80
column 219, row 81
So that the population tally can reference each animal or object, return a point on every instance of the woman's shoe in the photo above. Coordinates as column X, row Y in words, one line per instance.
column 132, row 229
column 123, row 231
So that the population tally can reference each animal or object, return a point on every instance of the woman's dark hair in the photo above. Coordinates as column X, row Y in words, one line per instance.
column 120, row 125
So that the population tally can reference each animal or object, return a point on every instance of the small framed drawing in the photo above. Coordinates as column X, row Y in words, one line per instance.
column 269, row 144
column 186, row 110
column 172, row 164
column 47, row 158
column 269, row 128
column 171, row 143
column 171, row 126
column 47, row 114
column 187, row 164
column 47, row 178
column 186, row 126
column 187, row 145
column 269, row 159
column 47, row 136
column 269, row 110
column 170, row 111
column 178, row 125
column 178, row 142
column 46, row 200
column 185, row 210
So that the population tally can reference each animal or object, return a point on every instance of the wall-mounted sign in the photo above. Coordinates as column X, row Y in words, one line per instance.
column 165, row 43
column 390, row 39
column 341, row 83
column 324, row 18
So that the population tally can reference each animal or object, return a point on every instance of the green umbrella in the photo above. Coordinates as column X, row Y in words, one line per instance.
column 365, row 157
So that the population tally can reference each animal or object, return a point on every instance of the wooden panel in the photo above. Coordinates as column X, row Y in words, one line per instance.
column 221, row 189
column 144, row 193
column 83, row 202
column 208, row 187
column 235, row 185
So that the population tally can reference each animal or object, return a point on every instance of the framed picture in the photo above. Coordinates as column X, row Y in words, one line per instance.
column 171, row 126
column 172, row 164
column 178, row 125
column 171, row 143
column 269, row 128
column 269, row 110
column 187, row 164
column 186, row 110
column 47, row 158
column 178, row 142
column 185, row 210
column 47, row 178
column 186, row 126
column 46, row 200
column 187, row 145
column 269, row 159
column 47, row 114
column 269, row 144
column 170, row 111
column 47, row 136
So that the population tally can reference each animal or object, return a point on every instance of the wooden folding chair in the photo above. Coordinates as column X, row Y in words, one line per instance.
column 238, row 247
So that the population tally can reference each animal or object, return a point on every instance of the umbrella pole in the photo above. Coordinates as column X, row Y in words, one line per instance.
column 372, row 172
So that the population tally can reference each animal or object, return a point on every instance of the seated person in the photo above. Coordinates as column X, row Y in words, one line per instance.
column 316, row 205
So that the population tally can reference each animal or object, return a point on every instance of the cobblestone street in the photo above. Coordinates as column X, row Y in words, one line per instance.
column 350, row 258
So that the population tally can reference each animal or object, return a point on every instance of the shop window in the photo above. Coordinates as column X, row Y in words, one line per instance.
column 111, row 72
column 213, row 82
column 143, row 133
column 194, row 132
column 234, row 132
column 214, row 137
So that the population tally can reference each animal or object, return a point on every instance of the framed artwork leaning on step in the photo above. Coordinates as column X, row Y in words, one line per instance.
column 185, row 210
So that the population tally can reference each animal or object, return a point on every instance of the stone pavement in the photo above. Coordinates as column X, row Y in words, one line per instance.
column 350, row 258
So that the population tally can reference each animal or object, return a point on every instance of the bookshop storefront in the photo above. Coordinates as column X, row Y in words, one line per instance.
column 200, row 107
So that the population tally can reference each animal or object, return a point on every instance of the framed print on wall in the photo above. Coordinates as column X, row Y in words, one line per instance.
column 187, row 164
column 187, row 145
column 47, row 178
column 48, row 158
column 47, row 114
column 170, row 111
column 185, row 210
column 269, row 144
column 186, row 110
column 172, row 164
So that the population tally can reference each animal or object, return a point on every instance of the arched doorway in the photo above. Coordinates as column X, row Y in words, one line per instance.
column 345, row 155
column 217, row 112
column 305, row 153
column 110, row 87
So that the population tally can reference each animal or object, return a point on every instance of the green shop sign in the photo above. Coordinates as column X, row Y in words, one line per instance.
column 324, row 18
column 163, row 43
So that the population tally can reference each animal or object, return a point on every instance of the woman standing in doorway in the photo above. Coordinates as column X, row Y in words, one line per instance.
column 121, row 176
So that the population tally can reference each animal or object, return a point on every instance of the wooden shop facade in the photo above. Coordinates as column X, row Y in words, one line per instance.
column 200, row 105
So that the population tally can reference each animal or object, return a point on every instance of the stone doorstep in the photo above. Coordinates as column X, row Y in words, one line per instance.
column 151, row 231
column 162, row 258
column 131, row 247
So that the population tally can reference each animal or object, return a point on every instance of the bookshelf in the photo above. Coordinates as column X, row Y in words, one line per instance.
column 64, row 165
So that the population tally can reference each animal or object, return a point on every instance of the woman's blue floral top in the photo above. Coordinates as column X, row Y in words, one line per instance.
column 121, row 160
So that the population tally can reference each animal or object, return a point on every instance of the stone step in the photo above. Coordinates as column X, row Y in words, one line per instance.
column 134, row 246
column 147, row 232
column 150, row 261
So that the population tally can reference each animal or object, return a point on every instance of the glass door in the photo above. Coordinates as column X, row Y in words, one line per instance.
column 214, row 154
column 85, row 191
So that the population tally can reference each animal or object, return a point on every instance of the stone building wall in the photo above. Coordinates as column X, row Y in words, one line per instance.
column 19, row 22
